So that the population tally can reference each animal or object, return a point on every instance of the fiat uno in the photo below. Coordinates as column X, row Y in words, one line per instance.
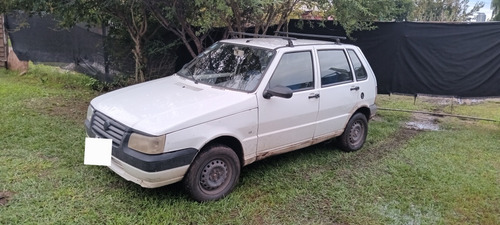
column 239, row 101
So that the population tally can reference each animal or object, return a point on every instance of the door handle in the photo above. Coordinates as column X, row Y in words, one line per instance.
column 355, row 88
column 314, row 96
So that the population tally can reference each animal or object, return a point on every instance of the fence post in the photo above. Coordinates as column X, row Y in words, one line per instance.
column 4, row 47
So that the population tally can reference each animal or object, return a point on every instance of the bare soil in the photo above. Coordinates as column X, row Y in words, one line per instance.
column 67, row 108
column 5, row 197
column 391, row 144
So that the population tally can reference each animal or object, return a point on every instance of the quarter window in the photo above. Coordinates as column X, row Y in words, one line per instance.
column 294, row 71
column 359, row 69
column 334, row 67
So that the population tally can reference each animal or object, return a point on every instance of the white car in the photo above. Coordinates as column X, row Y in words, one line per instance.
column 240, row 101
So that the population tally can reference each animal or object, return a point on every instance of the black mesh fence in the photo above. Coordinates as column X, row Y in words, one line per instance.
column 85, row 49
column 453, row 59
column 39, row 39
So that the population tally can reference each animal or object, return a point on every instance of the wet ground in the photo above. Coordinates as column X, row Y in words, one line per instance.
column 423, row 122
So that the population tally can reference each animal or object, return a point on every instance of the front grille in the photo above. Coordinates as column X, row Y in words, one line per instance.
column 105, row 127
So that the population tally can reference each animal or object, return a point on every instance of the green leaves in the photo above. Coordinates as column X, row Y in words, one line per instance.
column 444, row 10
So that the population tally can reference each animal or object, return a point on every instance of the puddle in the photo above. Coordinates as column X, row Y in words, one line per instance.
column 422, row 125
column 423, row 122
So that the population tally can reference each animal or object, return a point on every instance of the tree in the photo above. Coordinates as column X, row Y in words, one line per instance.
column 134, row 18
column 355, row 15
column 260, row 14
column 190, row 20
column 495, row 6
column 193, row 20
column 401, row 9
column 444, row 10
column 130, row 15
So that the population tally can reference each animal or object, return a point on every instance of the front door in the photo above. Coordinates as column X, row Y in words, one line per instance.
column 288, row 124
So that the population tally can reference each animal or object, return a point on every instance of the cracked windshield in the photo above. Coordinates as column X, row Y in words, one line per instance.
column 229, row 66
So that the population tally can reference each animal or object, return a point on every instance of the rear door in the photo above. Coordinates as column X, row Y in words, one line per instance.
column 365, row 79
column 339, row 92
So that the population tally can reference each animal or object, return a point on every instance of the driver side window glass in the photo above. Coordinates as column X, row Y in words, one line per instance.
column 295, row 71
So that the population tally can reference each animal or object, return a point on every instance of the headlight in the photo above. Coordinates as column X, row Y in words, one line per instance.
column 147, row 144
column 90, row 112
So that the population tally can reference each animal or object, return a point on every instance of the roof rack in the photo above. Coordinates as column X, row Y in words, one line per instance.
column 336, row 38
column 289, row 39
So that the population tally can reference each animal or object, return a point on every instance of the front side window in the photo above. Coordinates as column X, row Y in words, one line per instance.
column 359, row 69
column 295, row 71
column 229, row 66
column 334, row 67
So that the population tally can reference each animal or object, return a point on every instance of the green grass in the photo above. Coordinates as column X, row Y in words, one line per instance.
column 451, row 176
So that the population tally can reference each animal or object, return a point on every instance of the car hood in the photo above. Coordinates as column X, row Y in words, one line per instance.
column 172, row 103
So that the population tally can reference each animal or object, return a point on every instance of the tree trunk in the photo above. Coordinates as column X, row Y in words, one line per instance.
column 140, row 64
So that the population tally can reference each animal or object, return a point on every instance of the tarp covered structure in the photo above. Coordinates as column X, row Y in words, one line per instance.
column 454, row 59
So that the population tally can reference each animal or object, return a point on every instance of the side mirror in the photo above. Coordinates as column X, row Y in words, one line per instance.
column 278, row 91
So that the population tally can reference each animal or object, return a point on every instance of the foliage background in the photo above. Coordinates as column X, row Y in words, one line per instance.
column 141, row 25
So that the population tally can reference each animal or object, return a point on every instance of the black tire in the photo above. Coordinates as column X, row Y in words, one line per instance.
column 355, row 133
column 213, row 174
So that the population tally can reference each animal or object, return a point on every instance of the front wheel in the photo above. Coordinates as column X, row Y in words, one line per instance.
column 213, row 174
column 355, row 133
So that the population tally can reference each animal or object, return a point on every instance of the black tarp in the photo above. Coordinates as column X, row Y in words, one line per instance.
column 41, row 40
column 454, row 59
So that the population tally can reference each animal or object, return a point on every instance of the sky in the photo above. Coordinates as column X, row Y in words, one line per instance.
column 486, row 9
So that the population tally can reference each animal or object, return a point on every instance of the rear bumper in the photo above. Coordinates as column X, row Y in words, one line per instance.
column 373, row 110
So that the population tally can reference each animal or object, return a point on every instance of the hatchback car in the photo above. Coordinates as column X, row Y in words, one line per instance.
column 239, row 101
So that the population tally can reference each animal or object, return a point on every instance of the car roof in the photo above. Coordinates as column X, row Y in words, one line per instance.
column 278, row 42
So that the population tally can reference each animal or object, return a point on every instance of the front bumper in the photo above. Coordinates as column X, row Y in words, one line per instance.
column 147, row 179
column 146, row 170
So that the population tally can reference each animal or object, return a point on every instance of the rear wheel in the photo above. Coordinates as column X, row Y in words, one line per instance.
column 213, row 174
column 355, row 133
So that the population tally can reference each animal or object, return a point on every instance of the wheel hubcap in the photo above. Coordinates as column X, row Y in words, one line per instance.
column 356, row 133
column 213, row 175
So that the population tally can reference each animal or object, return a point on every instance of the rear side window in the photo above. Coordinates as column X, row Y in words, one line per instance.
column 359, row 69
column 334, row 67
column 294, row 71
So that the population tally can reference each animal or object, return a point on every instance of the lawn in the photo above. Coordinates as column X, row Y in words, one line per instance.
column 401, row 176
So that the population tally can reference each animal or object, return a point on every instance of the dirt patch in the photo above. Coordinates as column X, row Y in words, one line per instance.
column 391, row 144
column 67, row 108
column 5, row 197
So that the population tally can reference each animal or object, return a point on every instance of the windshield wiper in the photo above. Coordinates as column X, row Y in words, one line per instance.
column 194, row 79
